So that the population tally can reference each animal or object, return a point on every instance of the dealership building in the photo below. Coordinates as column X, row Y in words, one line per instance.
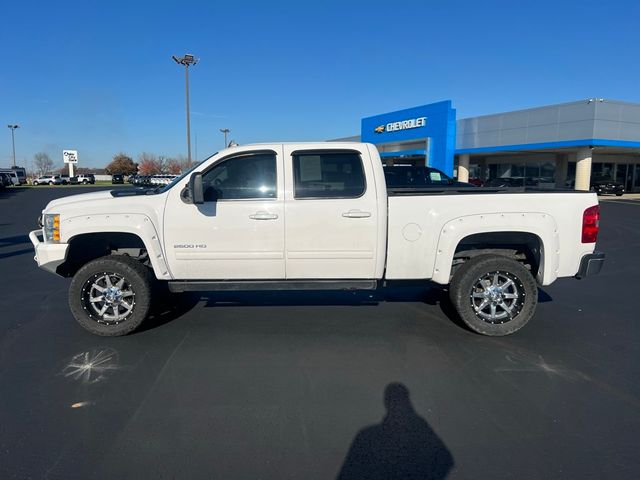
column 557, row 145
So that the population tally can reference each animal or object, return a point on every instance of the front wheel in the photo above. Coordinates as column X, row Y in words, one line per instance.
column 50, row 183
column 494, row 295
column 111, row 296
column 35, row 184
column 84, row 182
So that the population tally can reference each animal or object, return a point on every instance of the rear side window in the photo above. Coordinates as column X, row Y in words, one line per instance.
column 328, row 175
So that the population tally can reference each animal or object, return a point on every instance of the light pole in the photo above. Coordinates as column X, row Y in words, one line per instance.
column 225, row 131
column 187, row 60
column 13, row 141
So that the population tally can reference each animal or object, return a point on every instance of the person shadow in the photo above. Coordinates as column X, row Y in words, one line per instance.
column 402, row 446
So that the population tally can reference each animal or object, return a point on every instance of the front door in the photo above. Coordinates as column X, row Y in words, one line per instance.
column 238, row 233
column 332, row 215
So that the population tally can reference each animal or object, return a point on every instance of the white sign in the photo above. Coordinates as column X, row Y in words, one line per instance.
column 70, row 156
column 310, row 168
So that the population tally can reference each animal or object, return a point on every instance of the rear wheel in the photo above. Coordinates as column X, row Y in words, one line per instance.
column 494, row 295
column 111, row 296
column 50, row 183
column 35, row 184
column 84, row 182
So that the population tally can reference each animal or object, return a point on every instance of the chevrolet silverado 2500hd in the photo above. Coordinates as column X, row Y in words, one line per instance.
column 313, row 216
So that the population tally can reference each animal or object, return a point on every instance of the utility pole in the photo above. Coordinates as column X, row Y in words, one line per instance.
column 187, row 60
column 225, row 131
column 13, row 141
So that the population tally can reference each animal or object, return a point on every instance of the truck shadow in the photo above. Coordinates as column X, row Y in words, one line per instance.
column 172, row 306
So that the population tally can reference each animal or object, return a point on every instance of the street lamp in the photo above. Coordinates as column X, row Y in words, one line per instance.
column 13, row 141
column 225, row 131
column 187, row 60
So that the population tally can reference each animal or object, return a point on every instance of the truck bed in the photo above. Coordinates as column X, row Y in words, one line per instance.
column 425, row 225
column 471, row 190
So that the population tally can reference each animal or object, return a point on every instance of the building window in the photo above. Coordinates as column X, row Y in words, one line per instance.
column 602, row 169
column 529, row 172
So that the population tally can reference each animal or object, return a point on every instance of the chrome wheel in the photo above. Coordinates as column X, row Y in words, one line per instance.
column 497, row 297
column 108, row 298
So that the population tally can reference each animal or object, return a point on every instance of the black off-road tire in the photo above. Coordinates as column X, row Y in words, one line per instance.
column 139, row 280
column 468, row 277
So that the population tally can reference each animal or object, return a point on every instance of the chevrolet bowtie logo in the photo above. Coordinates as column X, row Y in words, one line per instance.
column 379, row 129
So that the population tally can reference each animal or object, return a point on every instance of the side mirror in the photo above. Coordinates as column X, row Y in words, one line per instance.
column 195, row 188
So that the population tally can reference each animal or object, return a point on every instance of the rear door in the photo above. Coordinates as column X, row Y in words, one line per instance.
column 331, row 226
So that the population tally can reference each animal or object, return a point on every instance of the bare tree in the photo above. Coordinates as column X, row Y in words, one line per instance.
column 173, row 166
column 163, row 164
column 184, row 163
column 148, row 164
column 42, row 162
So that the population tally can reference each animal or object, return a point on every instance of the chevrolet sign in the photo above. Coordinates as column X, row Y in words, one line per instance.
column 403, row 125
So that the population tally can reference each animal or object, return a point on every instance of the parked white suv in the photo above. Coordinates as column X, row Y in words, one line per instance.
column 314, row 216
column 83, row 178
column 48, row 180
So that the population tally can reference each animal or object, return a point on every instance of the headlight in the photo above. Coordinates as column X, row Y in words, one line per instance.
column 52, row 227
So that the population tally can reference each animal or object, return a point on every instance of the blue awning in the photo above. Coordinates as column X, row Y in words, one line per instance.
column 404, row 153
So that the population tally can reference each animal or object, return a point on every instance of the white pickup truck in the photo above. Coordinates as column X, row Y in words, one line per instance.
column 302, row 216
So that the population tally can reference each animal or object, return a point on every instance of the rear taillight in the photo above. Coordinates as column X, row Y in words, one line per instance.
column 590, row 224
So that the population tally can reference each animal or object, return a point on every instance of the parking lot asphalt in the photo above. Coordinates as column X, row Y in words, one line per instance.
column 320, row 385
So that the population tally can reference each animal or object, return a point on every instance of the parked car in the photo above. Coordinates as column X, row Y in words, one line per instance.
column 117, row 179
column 48, row 180
column 511, row 182
column 9, row 178
column 408, row 176
column 313, row 216
column 83, row 178
column 5, row 181
column 65, row 179
column 12, row 175
column 602, row 185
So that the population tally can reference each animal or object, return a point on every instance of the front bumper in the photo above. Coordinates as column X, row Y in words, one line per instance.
column 591, row 264
column 48, row 256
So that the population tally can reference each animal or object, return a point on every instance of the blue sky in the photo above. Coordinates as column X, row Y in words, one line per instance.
column 98, row 76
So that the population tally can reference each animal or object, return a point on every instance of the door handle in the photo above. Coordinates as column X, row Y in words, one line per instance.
column 356, row 214
column 263, row 216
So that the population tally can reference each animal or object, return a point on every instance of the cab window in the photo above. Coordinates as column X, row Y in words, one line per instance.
column 328, row 175
column 242, row 177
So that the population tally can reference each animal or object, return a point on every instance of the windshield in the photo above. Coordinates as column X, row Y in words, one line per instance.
column 183, row 175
